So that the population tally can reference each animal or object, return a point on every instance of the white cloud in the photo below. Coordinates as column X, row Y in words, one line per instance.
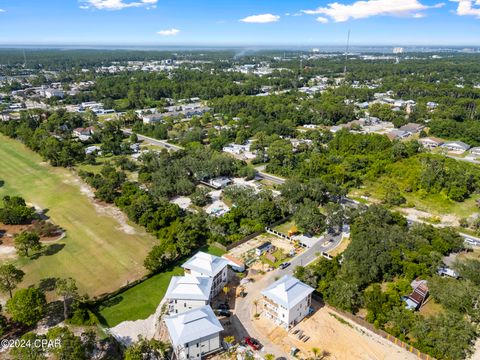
column 116, row 4
column 364, row 9
column 1, row 10
column 322, row 20
column 261, row 19
column 168, row 32
column 468, row 8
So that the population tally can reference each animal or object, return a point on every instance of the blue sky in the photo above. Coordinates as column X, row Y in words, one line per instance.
column 243, row 22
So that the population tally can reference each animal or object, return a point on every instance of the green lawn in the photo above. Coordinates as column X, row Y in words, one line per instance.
column 141, row 301
column 279, row 255
column 97, row 252
column 285, row 227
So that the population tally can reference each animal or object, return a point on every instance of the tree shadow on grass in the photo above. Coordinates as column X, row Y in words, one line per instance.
column 48, row 251
column 105, row 304
column 42, row 214
column 53, row 313
column 112, row 302
column 47, row 284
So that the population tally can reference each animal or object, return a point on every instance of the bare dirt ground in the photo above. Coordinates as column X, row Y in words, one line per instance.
column 476, row 354
column 240, row 251
column 128, row 332
column 337, row 340
column 417, row 215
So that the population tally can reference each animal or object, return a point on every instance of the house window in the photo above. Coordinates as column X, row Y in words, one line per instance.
column 198, row 344
column 184, row 305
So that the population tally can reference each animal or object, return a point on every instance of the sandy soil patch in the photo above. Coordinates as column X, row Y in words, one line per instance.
column 103, row 208
column 421, row 216
column 240, row 250
column 7, row 252
column 182, row 201
column 128, row 332
column 340, row 341
column 217, row 207
column 476, row 354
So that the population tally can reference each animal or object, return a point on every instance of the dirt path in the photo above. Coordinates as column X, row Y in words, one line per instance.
column 103, row 208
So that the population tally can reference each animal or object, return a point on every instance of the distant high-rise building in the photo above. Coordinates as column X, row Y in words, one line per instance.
column 398, row 50
column 315, row 50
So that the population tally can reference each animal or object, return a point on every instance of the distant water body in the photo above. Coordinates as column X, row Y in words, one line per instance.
column 246, row 49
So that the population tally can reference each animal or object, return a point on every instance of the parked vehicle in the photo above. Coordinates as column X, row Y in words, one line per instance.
column 284, row 265
column 223, row 312
column 224, row 307
column 254, row 344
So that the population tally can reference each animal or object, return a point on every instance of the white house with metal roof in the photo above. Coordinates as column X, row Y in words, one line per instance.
column 203, row 264
column 456, row 146
column 287, row 301
column 194, row 333
column 188, row 292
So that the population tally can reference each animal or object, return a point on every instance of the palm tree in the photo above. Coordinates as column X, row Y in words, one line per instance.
column 269, row 357
column 255, row 302
column 229, row 340
column 315, row 352
column 226, row 289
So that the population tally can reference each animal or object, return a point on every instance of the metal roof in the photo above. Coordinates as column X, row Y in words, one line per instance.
column 205, row 264
column 192, row 325
column 189, row 288
column 287, row 291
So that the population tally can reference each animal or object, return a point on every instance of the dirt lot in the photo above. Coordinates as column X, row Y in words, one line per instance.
column 240, row 251
column 338, row 340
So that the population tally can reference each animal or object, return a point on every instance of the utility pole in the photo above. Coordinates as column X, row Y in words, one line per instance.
column 346, row 54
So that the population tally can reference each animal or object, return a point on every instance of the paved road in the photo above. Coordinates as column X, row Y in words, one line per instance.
column 245, row 309
column 466, row 159
column 153, row 141
column 270, row 177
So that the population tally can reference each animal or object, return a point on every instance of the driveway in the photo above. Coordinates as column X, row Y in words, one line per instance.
column 153, row 141
column 245, row 309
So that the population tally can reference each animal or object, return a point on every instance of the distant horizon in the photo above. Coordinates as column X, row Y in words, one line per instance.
column 249, row 23
column 253, row 47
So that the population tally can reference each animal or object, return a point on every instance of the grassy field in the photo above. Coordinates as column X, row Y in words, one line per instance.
column 437, row 204
column 141, row 301
column 101, row 251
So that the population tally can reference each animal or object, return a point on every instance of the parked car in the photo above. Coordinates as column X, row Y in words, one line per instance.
column 223, row 307
column 222, row 312
column 284, row 265
column 254, row 344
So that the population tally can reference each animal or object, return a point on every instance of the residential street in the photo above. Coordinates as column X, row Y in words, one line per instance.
column 245, row 309
column 153, row 141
